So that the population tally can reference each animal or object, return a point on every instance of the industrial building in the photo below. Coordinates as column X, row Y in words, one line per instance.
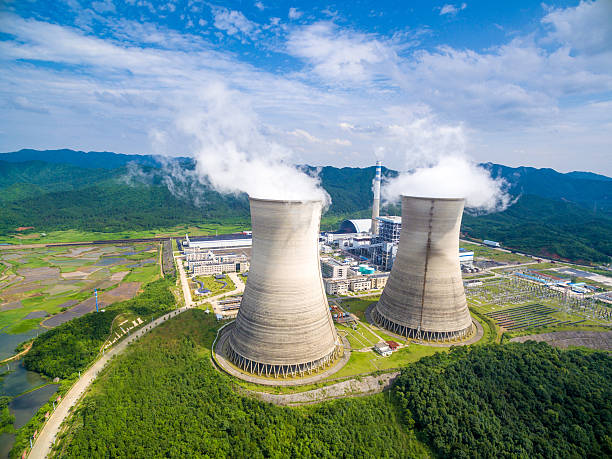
column 223, row 241
column 378, row 281
column 359, row 284
column 466, row 257
column 424, row 297
column 333, row 269
column 336, row 286
column 206, row 262
column 357, row 226
column 383, row 349
column 284, row 326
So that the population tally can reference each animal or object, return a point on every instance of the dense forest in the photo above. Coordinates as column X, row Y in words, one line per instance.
column 70, row 347
column 563, row 215
column 546, row 227
column 515, row 400
column 163, row 398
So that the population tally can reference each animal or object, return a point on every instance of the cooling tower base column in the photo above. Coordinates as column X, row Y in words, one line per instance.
column 283, row 371
column 295, row 374
column 425, row 335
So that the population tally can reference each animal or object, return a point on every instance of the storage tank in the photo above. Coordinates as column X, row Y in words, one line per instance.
column 424, row 297
column 284, row 326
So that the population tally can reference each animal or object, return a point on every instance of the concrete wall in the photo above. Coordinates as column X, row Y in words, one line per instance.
column 425, row 290
column 284, row 317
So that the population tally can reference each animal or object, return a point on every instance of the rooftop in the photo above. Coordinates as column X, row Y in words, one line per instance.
column 390, row 219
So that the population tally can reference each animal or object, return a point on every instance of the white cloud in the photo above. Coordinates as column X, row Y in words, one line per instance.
column 294, row 13
column 533, row 100
column 342, row 142
column 233, row 155
column 586, row 28
column 260, row 6
column 452, row 9
column 233, row 22
column 301, row 133
column 337, row 55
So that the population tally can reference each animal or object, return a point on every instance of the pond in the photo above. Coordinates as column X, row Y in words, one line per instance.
column 19, row 380
column 6, row 444
column 9, row 342
column 25, row 406
column 107, row 261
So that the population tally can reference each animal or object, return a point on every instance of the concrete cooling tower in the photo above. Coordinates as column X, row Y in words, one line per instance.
column 284, row 326
column 424, row 297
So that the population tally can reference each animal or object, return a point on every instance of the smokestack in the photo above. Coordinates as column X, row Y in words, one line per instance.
column 376, row 203
column 424, row 297
column 284, row 326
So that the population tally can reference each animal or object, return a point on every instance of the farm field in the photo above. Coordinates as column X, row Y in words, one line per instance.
column 44, row 287
column 63, row 236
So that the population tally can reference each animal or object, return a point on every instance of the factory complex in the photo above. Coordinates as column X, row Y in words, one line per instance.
column 288, row 318
column 206, row 262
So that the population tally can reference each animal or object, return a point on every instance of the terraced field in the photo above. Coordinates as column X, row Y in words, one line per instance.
column 44, row 287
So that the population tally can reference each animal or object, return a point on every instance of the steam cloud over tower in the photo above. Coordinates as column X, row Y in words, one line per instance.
column 424, row 297
column 284, row 326
column 376, row 202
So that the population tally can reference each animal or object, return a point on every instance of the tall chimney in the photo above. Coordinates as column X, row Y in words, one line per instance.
column 376, row 203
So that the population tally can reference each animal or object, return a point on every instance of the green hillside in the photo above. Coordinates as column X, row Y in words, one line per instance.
column 547, row 227
column 559, row 215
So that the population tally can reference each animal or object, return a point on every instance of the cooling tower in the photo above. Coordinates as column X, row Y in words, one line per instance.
column 424, row 297
column 284, row 326
column 376, row 202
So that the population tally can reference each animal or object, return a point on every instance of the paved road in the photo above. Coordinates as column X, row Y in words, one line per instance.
column 184, row 281
column 44, row 441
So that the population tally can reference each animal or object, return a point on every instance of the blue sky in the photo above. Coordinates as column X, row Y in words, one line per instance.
column 518, row 83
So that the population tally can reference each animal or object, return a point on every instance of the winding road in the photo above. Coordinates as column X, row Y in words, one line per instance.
column 44, row 442
column 46, row 438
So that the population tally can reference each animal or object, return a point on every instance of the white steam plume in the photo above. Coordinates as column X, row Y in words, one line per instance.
column 434, row 156
column 233, row 155
column 452, row 177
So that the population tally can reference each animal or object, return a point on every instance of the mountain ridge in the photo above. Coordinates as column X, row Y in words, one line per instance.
column 569, row 217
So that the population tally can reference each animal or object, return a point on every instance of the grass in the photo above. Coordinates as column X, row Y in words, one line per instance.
column 358, row 306
column 491, row 332
column 359, row 338
column 143, row 274
column 87, row 236
column 492, row 254
column 369, row 362
column 215, row 287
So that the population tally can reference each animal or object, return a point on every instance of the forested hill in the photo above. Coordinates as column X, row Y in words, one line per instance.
column 564, row 215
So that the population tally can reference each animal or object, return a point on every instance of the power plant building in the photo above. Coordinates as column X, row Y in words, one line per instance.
column 424, row 296
column 284, row 326
column 333, row 269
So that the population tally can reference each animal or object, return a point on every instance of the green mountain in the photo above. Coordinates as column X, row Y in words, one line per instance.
column 563, row 215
